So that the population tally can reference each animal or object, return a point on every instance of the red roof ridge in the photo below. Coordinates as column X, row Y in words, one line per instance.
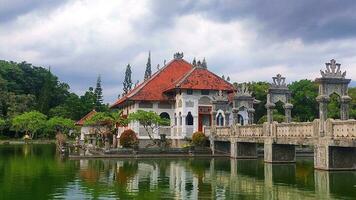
column 140, row 86
column 180, row 81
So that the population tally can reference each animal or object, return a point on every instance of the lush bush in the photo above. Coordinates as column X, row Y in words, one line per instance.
column 199, row 139
column 128, row 138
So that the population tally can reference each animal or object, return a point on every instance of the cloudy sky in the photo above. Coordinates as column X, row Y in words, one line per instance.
column 244, row 39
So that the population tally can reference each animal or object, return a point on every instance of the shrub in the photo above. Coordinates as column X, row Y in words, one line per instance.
column 199, row 139
column 128, row 138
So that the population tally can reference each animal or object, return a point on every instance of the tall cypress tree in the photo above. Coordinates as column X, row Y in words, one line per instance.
column 148, row 71
column 98, row 92
column 128, row 81
column 44, row 97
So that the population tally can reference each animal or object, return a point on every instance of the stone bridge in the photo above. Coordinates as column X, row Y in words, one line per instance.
column 333, row 141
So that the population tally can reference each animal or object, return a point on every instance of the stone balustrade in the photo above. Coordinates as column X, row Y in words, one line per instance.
column 296, row 130
column 223, row 131
column 253, row 130
column 341, row 129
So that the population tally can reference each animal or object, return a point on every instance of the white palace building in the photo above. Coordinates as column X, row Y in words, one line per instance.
column 184, row 93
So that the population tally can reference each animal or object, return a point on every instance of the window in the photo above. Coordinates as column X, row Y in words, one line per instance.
column 189, row 119
column 220, row 120
column 165, row 115
column 189, row 92
column 240, row 119
column 205, row 92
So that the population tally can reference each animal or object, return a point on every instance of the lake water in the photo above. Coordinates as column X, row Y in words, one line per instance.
column 37, row 172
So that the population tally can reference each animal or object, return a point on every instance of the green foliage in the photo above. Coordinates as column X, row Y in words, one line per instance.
column 199, row 139
column 148, row 71
column 304, row 93
column 128, row 81
column 276, row 117
column 149, row 120
column 29, row 122
column 98, row 93
column 334, row 107
column 59, row 125
column 128, row 139
column 352, row 94
column 24, row 87
column 2, row 124
column 109, row 120
column 259, row 91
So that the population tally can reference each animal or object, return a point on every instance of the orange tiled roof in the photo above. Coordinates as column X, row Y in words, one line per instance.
column 152, row 89
column 176, row 74
column 87, row 116
column 202, row 79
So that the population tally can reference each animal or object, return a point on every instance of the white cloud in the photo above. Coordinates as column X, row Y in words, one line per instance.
column 81, row 39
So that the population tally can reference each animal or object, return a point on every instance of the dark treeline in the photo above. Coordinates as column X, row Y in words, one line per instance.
column 24, row 88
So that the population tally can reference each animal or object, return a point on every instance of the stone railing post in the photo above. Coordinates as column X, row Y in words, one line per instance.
column 288, row 112
column 323, row 112
column 270, row 107
column 344, row 110
column 329, row 128
column 316, row 132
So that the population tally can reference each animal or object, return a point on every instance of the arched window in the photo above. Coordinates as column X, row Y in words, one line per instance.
column 240, row 119
column 165, row 115
column 220, row 120
column 189, row 119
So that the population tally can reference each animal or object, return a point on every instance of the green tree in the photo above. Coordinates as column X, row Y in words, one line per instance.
column 2, row 124
column 105, row 123
column 305, row 106
column 57, row 125
column 98, row 92
column 259, row 91
column 29, row 122
column 150, row 121
column 352, row 94
column 334, row 106
column 148, row 71
column 128, row 81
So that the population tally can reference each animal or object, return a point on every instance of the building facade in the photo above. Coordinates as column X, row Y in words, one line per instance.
column 184, row 93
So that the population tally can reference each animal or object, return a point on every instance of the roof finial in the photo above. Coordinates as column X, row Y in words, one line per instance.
column 178, row 55
column 194, row 63
column 204, row 64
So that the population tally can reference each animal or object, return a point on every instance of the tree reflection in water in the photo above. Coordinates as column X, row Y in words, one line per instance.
column 36, row 172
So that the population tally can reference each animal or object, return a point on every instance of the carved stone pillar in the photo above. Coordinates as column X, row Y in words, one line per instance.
column 323, row 112
column 288, row 112
column 270, row 107
column 235, row 116
column 344, row 110
column 213, row 120
column 251, row 113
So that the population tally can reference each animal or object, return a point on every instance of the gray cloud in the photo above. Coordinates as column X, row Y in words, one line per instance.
column 310, row 20
column 247, row 40
column 11, row 9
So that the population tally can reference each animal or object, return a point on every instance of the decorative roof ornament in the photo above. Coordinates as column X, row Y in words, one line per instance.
column 204, row 64
column 220, row 96
column 242, row 90
column 178, row 55
column 194, row 63
column 332, row 70
column 279, row 81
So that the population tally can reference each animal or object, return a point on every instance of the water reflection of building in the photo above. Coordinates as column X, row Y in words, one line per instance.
column 216, row 178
